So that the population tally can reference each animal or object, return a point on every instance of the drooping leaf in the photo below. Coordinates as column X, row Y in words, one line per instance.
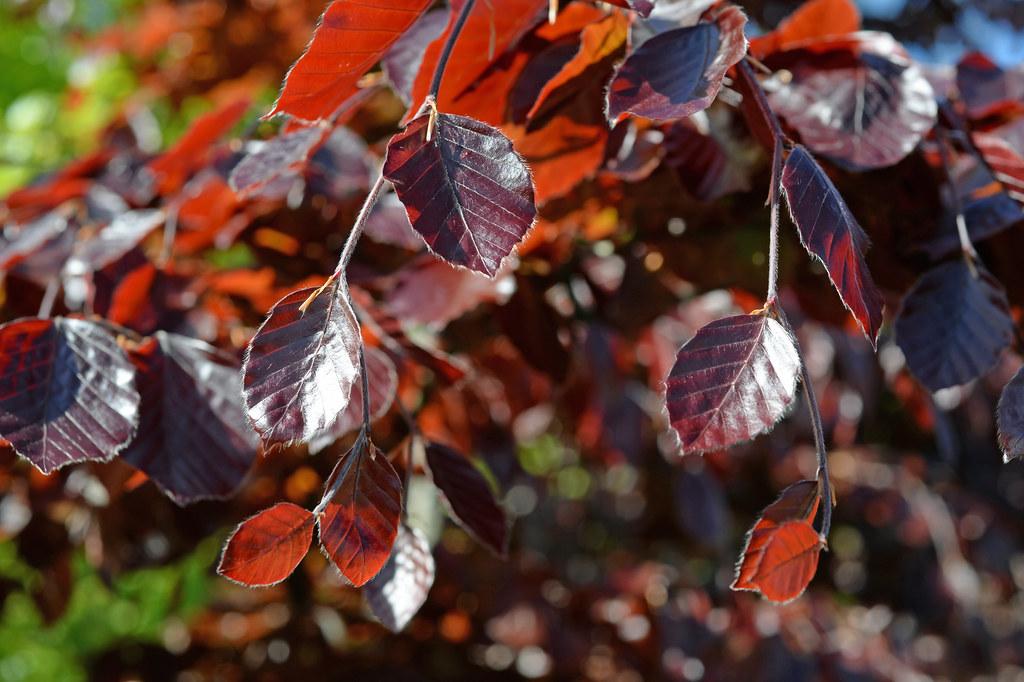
column 781, row 553
column 67, row 392
column 266, row 548
column 383, row 380
column 402, row 62
column 953, row 325
column 466, row 191
column 468, row 496
column 812, row 20
column 360, row 523
column 705, row 164
column 273, row 159
column 193, row 439
column 988, row 90
column 1010, row 418
column 869, row 111
column 351, row 38
column 830, row 233
column 300, row 366
column 400, row 589
column 731, row 382
column 679, row 72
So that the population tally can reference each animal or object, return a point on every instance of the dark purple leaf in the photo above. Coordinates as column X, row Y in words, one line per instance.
column 705, row 165
column 731, row 382
column 272, row 159
column 402, row 61
column 468, row 496
column 953, row 325
column 340, row 168
column 193, row 439
column 401, row 587
column 679, row 72
column 1010, row 417
column 987, row 89
column 830, row 233
column 466, row 191
column 641, row 7
column 383, row 379
column 18, row 242
column 67, row 392
column 300, row 367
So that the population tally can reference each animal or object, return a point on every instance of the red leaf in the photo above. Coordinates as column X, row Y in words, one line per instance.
column 1010, row 417
column 466, row 191
column 193, row 439
column 679, row 72
column 401, row 587
column 300, row 367
column 67, row 392
column 870, row 111
column 351, row 38
column 830, row 233
column 812, row 20
column 953, row 325
column 468, row 496
column 266, row 548
column 432, row 292
column 360, row 523
column 731, row 382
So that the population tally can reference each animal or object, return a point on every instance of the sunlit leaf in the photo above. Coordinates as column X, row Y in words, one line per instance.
column 274, row 158
column 383, row 380
column 812, row 20
column 468, row 496
column 400, row 589
column 266, row 548
column 114, row 241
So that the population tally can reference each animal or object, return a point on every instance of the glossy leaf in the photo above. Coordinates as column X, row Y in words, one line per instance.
column 953, row 325
column 383, row 380
column 360, row 523
column 830, row 233
column 67, row 392
column 400, row 589
column 351, row 38
column 273, row 159
column 300, row 366
column 641, row 7
column 468, row 497
column 466, row 191
column 114, row 241
column 731, row 382
column 812, row 20
column 171, row 168
column 193, row 439
column 266, row 548
column 1010, row 417
column 679, row 72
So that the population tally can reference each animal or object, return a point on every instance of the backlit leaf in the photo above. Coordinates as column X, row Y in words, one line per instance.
column 679, row 72
column 1006, row 163
column 466, row 191
column 813, row 19
column 731, row 382
column 300, row 367
column 67, row 392
column 468, row 496
column 400, row 589
column 383, row 380
column 830, row 233
column 266, row 548
column 360, row 523
column 1010, row 417
column 953, row 325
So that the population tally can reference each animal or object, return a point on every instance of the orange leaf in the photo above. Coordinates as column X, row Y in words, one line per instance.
column 813, row 19
column 267, row 547
column 779, row 560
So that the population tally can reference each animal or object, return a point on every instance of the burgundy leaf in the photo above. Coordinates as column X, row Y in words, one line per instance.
column 300, row 367
column 383, row 380
column 830, row 233
column 193, row 439
column 705, row 165
column 402, row 62
column 731, row 382
column 468, row 497
column 360, row 522
column 988, row 90
column 466, row 191
column 869, row 112
column 266, row 548
column 351, row 38
column 679, row 72
column 401, row 587
column 67, row 392
column 953, row 324
column 273, row 159
column 1010, row 417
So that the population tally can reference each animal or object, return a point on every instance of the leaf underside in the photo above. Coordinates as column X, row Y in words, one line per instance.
column 468, row 497
column 400, row 589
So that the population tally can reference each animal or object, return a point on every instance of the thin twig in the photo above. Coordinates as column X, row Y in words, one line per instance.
column 819, row 444
column 365, row 385
column 773, row 235
column 966, row 246
column 446, row 51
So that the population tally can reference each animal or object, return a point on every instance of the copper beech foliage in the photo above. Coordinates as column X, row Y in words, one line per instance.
column 511, row 123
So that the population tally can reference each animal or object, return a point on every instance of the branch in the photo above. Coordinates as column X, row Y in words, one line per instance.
column 446, row 51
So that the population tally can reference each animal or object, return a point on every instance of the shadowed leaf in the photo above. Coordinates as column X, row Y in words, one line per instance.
column 273, row 159
column 988, row 90
column 731, row 382
column 403, row 60
column 359, row 525
column 830, row 233
column 468, row 496
column 300, row 367
column 1010, row 417
column 466, row 191
column 400, row 589
column 266, row 548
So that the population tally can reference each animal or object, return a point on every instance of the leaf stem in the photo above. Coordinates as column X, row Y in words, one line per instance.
column 966, row 246
column 773, row 234
column 446, row 51
column 365, row 383
column 761, row 100
column 824, row 481
column 49, row 298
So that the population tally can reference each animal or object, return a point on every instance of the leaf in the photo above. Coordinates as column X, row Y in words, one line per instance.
column 781, row 553
column 351, row 38
column 641, row 7
column 708, row 167
column 468, row 497
column 388, row 223
column 1006, row 163
column 731, row 382
column 870, row 111
column 273, row 159
column 20, row 242
column 1010, row 418
column 193, row 439
column 300, row 367
column 953, row 325
column 466, row 191
column 113, row 241
column 400, row 589
column 830, row 233
column 383, row 380
column 266, row 548
column 988, row 90
column 67, row 392
column 812, row 20
column 402, row 62
column 679, row 72
column 360, row 523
